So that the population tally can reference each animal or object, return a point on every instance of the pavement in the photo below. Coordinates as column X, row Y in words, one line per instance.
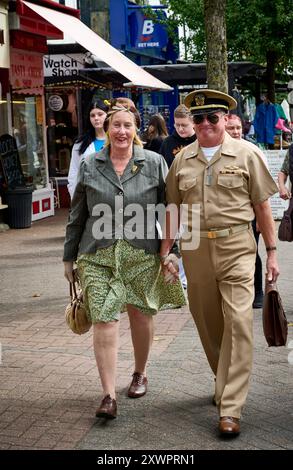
column 49, row 385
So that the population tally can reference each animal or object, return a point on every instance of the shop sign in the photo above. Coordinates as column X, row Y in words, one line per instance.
column 10, row 162
column 28, row 42
column 55, row 102
column 59, row 65
column 145, row 32
column 275, row 160
column 26, row 70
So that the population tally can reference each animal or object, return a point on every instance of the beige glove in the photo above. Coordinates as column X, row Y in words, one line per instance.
column 170, row 267
column 68, row 270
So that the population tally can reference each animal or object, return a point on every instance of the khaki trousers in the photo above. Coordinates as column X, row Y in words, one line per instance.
column 220, row 277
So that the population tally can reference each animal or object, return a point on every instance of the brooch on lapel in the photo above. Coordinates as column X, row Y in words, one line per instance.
column 134, row 169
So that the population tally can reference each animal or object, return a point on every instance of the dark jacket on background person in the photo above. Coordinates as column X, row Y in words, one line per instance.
column 154, row 144
column 173, row 144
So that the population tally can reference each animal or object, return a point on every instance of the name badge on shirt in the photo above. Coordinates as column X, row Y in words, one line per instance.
column 231, row 170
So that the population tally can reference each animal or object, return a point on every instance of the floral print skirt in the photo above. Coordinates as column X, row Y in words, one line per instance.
column 122, row 274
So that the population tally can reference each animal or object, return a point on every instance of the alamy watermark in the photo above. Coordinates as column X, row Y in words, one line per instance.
column 135, row 221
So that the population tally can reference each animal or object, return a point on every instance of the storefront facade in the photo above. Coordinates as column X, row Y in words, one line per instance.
column 71, row 80
column 22, row 100
column 28, row 123
column 4, row 65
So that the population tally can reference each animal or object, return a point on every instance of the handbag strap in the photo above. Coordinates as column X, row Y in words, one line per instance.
column 72, row 291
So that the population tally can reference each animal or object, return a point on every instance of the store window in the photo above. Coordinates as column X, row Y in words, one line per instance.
column 147, row 110
column 62, row 130
column 27, row 121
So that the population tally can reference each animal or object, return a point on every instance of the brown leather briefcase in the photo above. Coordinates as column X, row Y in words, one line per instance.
column 285, row 231
column 275, row 324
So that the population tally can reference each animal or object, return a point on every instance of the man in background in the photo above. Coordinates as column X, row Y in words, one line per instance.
column 183, row 134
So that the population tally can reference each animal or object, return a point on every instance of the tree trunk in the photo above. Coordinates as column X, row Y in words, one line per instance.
column 271, row 64
column 215, row 31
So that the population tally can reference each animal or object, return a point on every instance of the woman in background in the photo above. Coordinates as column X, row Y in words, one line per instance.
column 90, row 142
column 155, row 133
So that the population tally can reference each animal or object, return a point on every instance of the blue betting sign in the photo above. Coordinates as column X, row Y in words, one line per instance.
column 145, row 33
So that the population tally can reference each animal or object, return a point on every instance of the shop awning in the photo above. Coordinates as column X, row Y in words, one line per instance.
column 91, row 41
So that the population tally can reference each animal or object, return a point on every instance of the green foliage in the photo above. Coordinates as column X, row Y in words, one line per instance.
column 254, row 27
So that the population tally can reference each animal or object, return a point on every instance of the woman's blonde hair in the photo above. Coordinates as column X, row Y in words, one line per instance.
column 113, row 110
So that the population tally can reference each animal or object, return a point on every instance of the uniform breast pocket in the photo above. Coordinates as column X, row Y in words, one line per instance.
column 230, row 189
column 230, row 181
column 186, row 184
column 188, row 188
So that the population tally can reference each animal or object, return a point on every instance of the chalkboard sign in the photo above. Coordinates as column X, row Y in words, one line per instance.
column 10, row 162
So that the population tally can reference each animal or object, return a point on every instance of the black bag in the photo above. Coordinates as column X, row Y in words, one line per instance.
column 285, row 232
column 275, row 324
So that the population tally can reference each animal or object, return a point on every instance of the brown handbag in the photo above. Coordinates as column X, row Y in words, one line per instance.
column 275, row 324
column 285, row 232
column 75, row 312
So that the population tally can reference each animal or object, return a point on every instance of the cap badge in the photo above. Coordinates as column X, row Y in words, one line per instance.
column 199, row 99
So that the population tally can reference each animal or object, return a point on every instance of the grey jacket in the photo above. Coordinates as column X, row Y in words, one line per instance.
column 100, row 212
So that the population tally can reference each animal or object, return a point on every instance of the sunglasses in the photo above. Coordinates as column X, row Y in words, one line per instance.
column 212, row 118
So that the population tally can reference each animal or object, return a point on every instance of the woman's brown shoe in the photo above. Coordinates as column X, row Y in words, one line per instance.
column 138, row 386
column 107, row 408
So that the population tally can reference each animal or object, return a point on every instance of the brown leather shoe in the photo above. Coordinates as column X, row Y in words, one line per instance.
column 138, row 386
column 229, row 426
column 107, row 408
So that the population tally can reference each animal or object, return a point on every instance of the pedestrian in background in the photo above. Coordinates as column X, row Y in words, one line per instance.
column 234, row 128
column 155, row 133
column 230, row 183
column 118, row 270
column 286, row 170
column 90, row 142
column 182, row 135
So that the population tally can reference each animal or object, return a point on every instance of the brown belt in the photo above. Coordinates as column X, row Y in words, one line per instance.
column 224, row 232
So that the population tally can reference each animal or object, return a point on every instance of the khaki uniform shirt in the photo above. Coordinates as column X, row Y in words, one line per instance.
column 226, row 188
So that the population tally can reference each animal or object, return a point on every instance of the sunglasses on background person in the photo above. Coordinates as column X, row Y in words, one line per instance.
column 212, row 118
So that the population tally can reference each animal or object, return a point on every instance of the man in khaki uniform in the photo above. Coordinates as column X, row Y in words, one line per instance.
column 231, row 184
